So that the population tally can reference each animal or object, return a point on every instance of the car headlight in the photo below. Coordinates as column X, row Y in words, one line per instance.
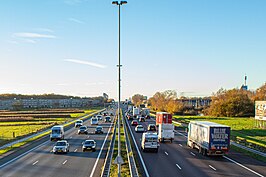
column 93, row 146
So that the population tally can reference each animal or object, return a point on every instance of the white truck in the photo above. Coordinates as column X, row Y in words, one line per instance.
column 208, row 137
column 166, row 132
column 57, row 133
column 136, row 111
column 149, row 141
column 145, row 111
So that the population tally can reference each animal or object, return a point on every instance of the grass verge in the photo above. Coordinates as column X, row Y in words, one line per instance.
column 125, row 166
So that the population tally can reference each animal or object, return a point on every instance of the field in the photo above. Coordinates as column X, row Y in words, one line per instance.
column 16, row 125
column 243, row 130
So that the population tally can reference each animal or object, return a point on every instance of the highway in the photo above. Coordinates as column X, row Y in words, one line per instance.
column 40, row 161
column 176, row 159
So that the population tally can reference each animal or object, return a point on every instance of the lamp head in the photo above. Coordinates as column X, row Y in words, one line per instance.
column 115, row 2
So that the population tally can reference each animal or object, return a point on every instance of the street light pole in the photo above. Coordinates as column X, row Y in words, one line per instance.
column 119, row 159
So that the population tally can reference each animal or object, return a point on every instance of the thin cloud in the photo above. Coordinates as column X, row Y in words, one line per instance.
column 76, row 20
column 33, row 35
column 45, row 30
column 85, row 63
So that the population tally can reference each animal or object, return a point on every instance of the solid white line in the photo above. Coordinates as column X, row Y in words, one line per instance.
column 10, row 161
column 64, row 162
column 192, row 153
column 243, row 166
column 166, row 153
column 75, row 150
column 95, row 164
column 178, row 166
column 212, row 167
column 180, row 145
column 141, row 159
column 35, row 162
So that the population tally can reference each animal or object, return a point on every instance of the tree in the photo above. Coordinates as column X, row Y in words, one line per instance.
column 160, row 100
column 231, row 103
column 137, row 99
column 260, row 94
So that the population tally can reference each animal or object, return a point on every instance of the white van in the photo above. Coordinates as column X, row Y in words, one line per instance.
column 57, row 132
column 94, row 121
column 149, row 141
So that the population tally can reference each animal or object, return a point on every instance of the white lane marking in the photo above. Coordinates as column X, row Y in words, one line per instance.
column 75, row 150
column 88, row 136
column 35, row 162
column 10, row 161
column 64, row 162
column 166, row 153
column 212, row 167
column 70, row 137
column 243, row 166
column 178, row 166
column 180, row 145
column 95, row 164
column 192, row 153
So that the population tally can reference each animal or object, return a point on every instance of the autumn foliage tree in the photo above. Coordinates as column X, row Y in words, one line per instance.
column 231, row 103
column 137, row 99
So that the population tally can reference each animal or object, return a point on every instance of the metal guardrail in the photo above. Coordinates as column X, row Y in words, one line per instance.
column 131, row 160
column 109, row 156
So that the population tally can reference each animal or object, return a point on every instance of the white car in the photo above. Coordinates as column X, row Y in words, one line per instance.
column 94, row 121
column 61, row 146
column 139, row 128
column 78, row 123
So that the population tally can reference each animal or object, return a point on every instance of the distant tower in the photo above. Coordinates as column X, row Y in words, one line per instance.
column 245, row 87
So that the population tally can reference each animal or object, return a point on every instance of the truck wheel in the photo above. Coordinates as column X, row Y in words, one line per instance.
column 171, row 140
column 163, row 140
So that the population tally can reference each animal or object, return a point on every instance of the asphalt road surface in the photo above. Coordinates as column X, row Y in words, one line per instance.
column 41, row 162
column 176, row 159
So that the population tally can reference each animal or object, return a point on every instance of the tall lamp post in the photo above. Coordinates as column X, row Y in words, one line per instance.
column 119, row 159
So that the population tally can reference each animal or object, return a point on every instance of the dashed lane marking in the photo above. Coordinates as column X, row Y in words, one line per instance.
column 192, row 153
column 178, row 166
column 64, row 162
column 35, row 162
column 212, row 167
column 166, row 153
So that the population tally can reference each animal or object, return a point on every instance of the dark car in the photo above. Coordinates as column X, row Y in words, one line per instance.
column 142, row 119
column 82, row 130
column 89, row 145
column 147, row 116
column 107, row 119
column 99, row 130
column 134, row 123
column 151, row 127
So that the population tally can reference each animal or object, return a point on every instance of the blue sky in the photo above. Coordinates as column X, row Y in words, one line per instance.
column 71, row 46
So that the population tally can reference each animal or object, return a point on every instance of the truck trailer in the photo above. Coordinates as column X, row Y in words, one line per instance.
column 163, row 118
column 208, row 137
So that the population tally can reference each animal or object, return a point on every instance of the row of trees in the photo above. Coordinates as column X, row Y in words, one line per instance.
column 230, row 103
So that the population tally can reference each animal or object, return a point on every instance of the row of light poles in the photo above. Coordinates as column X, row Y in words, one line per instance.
column 119, row 159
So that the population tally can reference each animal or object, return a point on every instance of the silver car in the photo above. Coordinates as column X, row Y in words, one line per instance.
column 61, row 146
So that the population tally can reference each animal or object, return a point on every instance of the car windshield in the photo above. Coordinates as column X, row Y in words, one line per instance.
column 82, row 128
column 61, row 144
column 89, row 142
column 94, row 119
column 56, row 131
column 99, row 128
column 79, row 122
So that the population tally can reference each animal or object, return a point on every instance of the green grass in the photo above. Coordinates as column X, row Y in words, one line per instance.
column 240, row 127
column 124, row 167
column 25, row 128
